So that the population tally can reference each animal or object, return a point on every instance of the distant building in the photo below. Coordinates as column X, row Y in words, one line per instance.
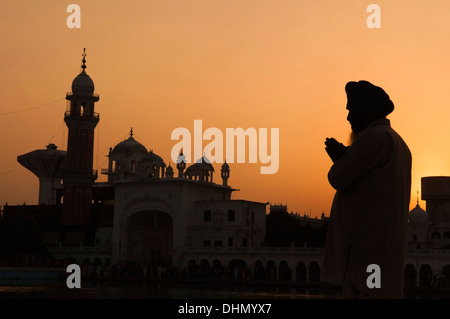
column 418, row 235
column 303, row 220
column 430, row 229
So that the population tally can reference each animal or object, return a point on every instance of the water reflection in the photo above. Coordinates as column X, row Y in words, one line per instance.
column 57, row 289
column 158, row 290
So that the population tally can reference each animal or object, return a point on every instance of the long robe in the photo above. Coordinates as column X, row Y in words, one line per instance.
column 368, row 219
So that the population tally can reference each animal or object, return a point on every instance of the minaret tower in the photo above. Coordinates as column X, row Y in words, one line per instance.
column 181, row 164
column 225, row 173
column 78, row 175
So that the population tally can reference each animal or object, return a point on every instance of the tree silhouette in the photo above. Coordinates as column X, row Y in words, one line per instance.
column 284, row 229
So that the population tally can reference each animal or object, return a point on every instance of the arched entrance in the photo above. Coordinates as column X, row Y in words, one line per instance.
column 238, row 268
column 445, row 275
column 410, row 275
column 192, row 269
column 425, row 275
column 148, row 239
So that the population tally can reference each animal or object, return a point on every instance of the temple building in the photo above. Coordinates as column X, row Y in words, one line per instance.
column 147, row 212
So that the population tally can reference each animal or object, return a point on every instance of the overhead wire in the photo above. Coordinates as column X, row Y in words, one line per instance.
column 32, row 108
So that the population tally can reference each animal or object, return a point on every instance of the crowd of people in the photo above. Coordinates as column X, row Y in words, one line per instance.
column 97, row 271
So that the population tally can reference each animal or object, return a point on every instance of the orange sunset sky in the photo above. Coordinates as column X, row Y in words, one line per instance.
column 159, row 65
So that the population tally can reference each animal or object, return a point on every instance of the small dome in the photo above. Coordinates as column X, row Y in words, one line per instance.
column 225, row 167
column 418, row 216
column 169, row 169
column 83, row 84
column 181, row 158
column 154, row 158
column 200, row 166
column 129, row 147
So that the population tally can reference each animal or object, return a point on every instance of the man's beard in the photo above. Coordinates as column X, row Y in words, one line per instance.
column 351, row 137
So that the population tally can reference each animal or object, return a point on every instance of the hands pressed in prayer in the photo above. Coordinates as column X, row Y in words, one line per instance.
column 334, row 149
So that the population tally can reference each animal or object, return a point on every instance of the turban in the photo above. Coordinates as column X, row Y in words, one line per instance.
column 364, row 97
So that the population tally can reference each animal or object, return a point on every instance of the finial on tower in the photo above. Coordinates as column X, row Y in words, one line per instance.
column 131, row 132
column 417, row 197
column 83, row 66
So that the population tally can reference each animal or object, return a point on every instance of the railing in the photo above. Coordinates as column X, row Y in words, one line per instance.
column 68, row 94
column 258, row 250
column 94, row 115
column 428, row 251
column 105, row 171
column 79, row 248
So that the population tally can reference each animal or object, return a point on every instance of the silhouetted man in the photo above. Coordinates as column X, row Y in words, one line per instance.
column 372, row 178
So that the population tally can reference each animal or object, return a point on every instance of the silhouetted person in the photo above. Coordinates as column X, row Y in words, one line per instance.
column 372, row 178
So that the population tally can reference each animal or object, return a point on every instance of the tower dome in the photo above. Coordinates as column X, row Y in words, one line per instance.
column 129, row 147
column 225, row 166
column 83, row 83
column 225, row 173
column 418, row 216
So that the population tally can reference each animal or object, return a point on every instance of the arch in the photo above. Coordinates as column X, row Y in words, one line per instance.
column 446, row 239
column 148, row 239
column 145, row 203
column 445, row 276
column 192, row 268
column 300, row 271
column 314, row 271
column 238, row 268
column 284, row 271
column 425, row 275
column 435, row 235
column 410, row 275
